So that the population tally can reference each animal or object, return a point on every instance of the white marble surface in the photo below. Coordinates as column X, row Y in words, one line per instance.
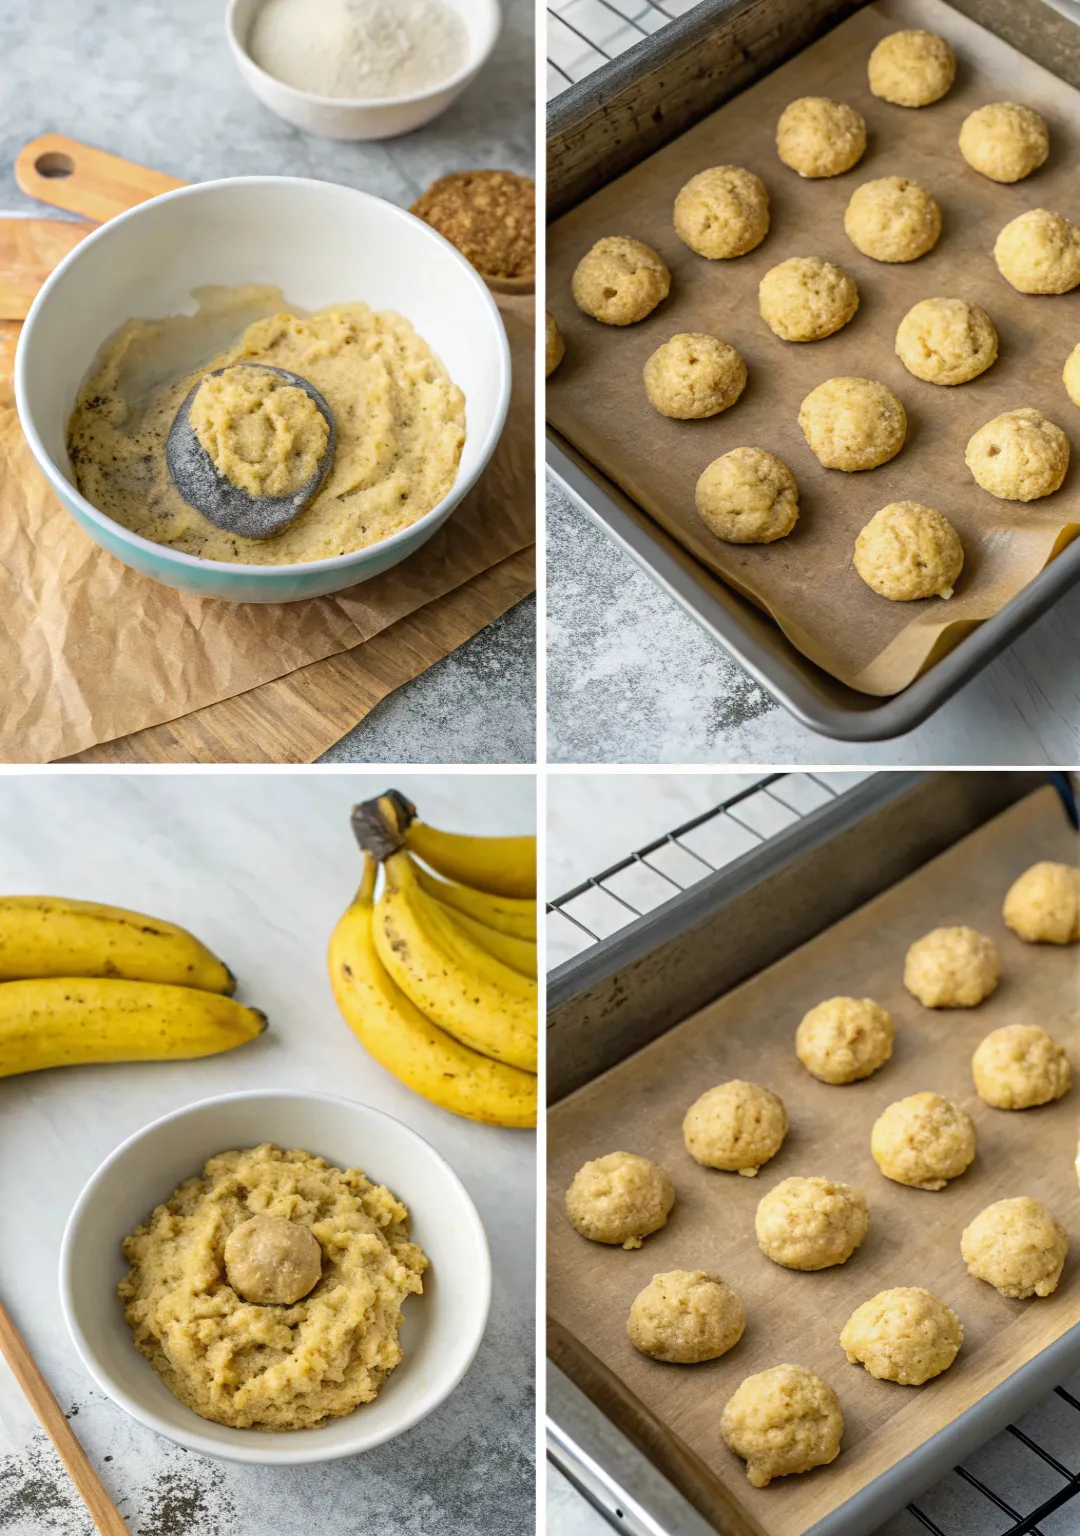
column 260, row 867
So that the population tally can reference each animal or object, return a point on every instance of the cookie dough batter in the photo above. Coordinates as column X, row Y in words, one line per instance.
column 736, row 1126
column 722, row 212
column 620, row 281
column 781, row 1421
column 1020, row 1066
column 400, row 424
column 280, row 1365
column 1039, row 252
column 684, row 1316
column 694, row 375
column 904, row 1334
column 853, row 423
column 845, row 1039
column 806, row 299
column 952, row 968
column 1004, row 141
column 554, row 345
column 893, row 219
column 619, row 1199
column 1043, row 905
column 811, row 1223
column 818, row 137
column 912, row 69
column 923, row 1141
column 908, row 551
column 1017, row 1247
column 748, row 496
column 1071, row 375
column 264, row 435
column 946, row 341
column 1019, row 456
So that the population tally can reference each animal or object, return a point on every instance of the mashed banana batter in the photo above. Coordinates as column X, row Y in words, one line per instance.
column 399, row 419
column 272, row 1367
column 265, row 435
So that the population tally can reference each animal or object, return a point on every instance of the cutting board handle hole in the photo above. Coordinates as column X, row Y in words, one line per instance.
column 54, row 165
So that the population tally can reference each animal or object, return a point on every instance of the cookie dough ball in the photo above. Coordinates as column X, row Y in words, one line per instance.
column 1017, row 1247
column 905, row 1335
column 619, row 1199
column 782, row 1421
column 952, row 968
column 908, row 551
column 1043, row 906
column 1020, row 1066
column 806, row 299
column 620, row 281
column 1004, row 141
column 853, row 423
column 811, row 1223
column 722, row 212
column 912, row 69
column 893, row 219
column 554, row 346
column 684, row 1316
column 736, row 1126
column 694, row 375
column 1039, row 252
column 818, row 137
column 1019, row 456
column 946, row 341
column 271, row 1261
column 923, row 1141
column 845, row 1039
column 748, row 496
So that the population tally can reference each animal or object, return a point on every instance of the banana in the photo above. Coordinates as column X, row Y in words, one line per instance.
column 518, row 954
column 506, row 914
column 502, row 866
column 420, row 1054
column 63, row 1021
column 55, row 936
column 459, row 985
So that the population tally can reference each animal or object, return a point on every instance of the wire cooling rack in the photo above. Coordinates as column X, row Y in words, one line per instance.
column 583, row 34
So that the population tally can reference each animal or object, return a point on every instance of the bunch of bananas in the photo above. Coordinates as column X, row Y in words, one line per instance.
column 438, row 978
column 81, row 982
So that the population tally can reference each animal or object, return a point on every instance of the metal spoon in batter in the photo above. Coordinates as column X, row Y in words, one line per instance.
column 228, row 506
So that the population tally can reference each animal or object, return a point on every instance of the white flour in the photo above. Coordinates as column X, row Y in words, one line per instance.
column 359, row 50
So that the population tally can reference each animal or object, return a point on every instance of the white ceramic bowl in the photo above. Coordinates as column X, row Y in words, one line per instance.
column 382, row 119
column 321, row 244
column 442, row 1328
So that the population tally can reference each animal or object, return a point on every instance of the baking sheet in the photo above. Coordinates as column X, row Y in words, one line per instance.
column 807, row 581
column 914, row 1234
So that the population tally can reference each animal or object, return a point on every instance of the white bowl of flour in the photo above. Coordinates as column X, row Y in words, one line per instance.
column 360, row 69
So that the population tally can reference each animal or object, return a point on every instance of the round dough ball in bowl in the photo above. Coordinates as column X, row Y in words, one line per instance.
column 684, row 1316
column 694, row 375
column 1019, row 1067
column 853, row 424
column 1018, row 456
column 1004, row 141
column 619, row 1199
column 904, row 1334
column 811, row 1223
column 307, row 1358
column 1016, row 1246
column 1039, row 252
column 946, row 341
column 1043, row 905
column 722, row 212
column 892, row 219
column 908, row 551
column 818, row 137
column 748, row 496
column 620, row 281
column 782, row 1421
column 923, row 1141
column 554, row 345
column 806, row 299
column 845, row 1039
column 736, row 1126
column 952, row 968
column 912, row 69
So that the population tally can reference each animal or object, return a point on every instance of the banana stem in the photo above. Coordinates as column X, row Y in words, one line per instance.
column 379, row 825
column 366, row 893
